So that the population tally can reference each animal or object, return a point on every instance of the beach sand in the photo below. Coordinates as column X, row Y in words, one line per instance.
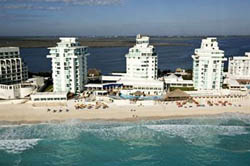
column 26, row 113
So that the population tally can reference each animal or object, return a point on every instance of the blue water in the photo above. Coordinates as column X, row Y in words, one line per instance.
column 113, row 59
column 222, row 140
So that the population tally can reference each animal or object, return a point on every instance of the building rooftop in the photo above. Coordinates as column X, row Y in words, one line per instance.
column 68, row 39
column 50, row 93
column 142, row 82
column 247, row 56
column 9, row 49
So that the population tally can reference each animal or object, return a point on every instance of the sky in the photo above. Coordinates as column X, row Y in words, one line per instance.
column 124, row 17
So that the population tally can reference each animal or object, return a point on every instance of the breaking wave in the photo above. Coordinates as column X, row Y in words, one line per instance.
column 17, row 146
column 204, row 131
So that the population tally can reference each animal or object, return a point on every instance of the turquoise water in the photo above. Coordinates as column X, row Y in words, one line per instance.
column 220, row 140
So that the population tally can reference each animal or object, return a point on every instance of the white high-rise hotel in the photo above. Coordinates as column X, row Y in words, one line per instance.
column 13, row 75
column 208, row 65
column 239, row 67
column 141, row 70
column 69, row 65
column 12, row 68
column 142, row 60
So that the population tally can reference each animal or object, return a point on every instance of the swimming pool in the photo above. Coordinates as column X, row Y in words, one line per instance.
column 124, row 96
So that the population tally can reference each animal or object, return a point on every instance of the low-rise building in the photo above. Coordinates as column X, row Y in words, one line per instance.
column 15, row 91
column 148, row 87
column 49, row 97
column 177, row 81
column 104, row 86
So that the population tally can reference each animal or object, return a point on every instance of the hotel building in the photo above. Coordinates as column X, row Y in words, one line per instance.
column 208, row 65
column 13, row 74
column 142, row 60
column 141, row 70
column 239, row 67
column 12, row 68
column 69, row 65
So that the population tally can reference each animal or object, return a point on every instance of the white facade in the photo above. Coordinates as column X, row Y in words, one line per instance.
column 13, row 74
column 239, row 67
column 208, row 65
column 69, row 65
column 141, row 70
column 174, row 81
column 233, row 84
column 36, row 81
column 148, row 87
column 142, row 60
column 49, row 97
column 15, row 91
column 12, row 68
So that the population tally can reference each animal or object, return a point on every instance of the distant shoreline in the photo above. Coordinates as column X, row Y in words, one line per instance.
column 94, row 42
column 90, row 42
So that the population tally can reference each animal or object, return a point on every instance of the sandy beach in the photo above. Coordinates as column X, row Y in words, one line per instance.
column 26, row 113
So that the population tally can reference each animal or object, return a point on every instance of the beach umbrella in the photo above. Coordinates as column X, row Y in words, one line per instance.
column 138, row 93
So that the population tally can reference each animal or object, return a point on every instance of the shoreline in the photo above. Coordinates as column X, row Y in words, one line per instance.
column 128, row 120
column 29, row 42
column 19, row 114
column 101, row 45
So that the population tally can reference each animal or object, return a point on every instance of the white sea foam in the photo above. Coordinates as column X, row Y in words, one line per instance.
column 187, row 130
column 204, row 135
column 145, row 134
column 17, row 146
column 197, row 131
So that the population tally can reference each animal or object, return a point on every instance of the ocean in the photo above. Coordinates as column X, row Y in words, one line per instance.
column 109, row 59
column 219, row 140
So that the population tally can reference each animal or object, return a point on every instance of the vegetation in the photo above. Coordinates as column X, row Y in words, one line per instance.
column 87, row 41
column 49, row 88
column 189, row 76
column 94, row 73
column 225, row 86
column 162, row 73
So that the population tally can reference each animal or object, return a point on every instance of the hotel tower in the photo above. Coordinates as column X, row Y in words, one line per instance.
column 12, row 68
column 208, row 65
column 69, row 65
column 142, row 60
column 239, row 67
